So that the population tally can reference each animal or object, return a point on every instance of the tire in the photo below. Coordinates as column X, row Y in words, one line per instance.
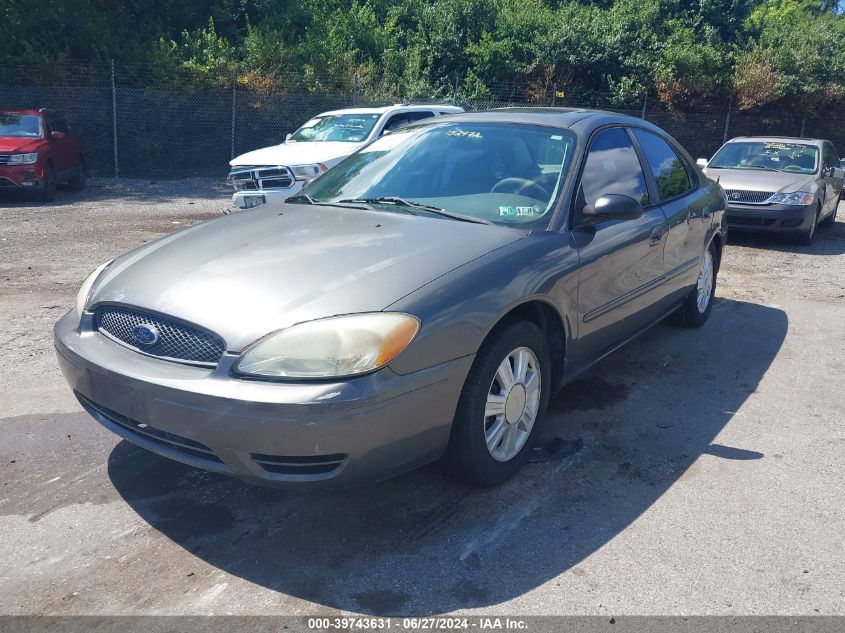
column 695, row 309
column 48, row 193
column 805, row 238
column 830, row 220
column 78, row 182
column 517, row 343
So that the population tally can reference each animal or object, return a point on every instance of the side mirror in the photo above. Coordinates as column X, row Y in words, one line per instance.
column 287, row 137
column 57, row 136
column 701, row 162
column 612, row 206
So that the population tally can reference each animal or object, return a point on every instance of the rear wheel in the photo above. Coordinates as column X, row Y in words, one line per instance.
column 48, row 192
column 501, row 406
column 696, row 308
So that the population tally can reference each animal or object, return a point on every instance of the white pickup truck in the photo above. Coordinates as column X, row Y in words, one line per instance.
column 322, row 142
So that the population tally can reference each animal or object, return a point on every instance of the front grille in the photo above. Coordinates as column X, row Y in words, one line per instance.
column 259, row 178
column 738, row 220
column 4, row 159
column 298, row 465
column 748, row 197
column 164, row 439
column 176, row 341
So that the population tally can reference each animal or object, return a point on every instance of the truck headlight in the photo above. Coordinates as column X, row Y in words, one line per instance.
column 23, row 159
column 799, row 198
column 85, row 290
column 308, row 172
column 331, row 347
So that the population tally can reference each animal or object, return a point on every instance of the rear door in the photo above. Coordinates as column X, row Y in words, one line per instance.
column 622, row 263
column 684, row 204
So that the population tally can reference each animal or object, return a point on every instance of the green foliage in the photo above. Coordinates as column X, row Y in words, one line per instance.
column 783, row 53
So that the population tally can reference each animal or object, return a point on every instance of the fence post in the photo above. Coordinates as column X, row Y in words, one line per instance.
column 645, row 104
column 727, row 121
column 114, row 120
column 234, row 105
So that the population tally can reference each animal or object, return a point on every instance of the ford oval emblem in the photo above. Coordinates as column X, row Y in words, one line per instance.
column 144, row 334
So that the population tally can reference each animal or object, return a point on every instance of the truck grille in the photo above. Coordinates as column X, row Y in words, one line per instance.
column 173, row 341
column 748, row 197
column 261, row 178
column 4, row 159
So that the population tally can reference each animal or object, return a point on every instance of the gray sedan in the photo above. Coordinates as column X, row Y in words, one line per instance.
column 421, row 301
column 780, row 184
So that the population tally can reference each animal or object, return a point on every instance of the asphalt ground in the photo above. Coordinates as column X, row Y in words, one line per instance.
column 702, row 472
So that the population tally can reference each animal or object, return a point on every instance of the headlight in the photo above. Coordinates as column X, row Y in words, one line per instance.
column 332, row 347
column 799, row 198
column 23, row 159
column 308, row 172
column 85, row 290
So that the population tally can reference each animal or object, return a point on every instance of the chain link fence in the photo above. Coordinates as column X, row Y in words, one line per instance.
column 152, row 132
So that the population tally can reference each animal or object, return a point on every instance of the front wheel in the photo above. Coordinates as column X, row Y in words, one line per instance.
column 48, row 191
column 696, row 307
column 501, row 406
column 806, row 237
column 830, row 220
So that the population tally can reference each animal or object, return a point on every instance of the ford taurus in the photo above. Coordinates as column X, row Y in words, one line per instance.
column 421, row 301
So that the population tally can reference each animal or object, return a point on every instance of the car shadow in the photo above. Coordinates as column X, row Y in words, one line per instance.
column 827, row 241
column 423, row 543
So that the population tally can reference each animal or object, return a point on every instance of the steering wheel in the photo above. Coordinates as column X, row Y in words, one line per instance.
column 520, row 186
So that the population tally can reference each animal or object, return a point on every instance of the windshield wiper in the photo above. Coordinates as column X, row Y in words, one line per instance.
column 304, row 198
column 760, row 167
column 396, row 200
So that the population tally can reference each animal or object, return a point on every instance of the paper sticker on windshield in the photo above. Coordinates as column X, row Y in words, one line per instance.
column 505, row 211
column 463, row 133
column 525, row 211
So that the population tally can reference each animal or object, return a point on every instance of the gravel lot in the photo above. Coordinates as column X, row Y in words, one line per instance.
column 705, row 474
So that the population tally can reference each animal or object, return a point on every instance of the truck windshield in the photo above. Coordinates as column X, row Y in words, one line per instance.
column 350, row 128
column 26, row 125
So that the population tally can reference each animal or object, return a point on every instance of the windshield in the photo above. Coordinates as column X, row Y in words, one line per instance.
column 351, row 128
column 505, row 173
column 26, row 125
column 767, row 156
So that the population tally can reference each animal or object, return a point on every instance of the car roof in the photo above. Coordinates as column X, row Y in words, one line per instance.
column 396, row 107
column 777, row 139
column 582, row 120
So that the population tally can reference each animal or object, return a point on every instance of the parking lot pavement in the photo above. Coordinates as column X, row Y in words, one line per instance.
column 705, row 474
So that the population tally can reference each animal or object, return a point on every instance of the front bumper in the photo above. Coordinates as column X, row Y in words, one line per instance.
column 329, row 434
column 21, row 177
column 770, row 217
column 271, row 195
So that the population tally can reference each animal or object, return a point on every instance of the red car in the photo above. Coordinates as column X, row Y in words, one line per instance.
column 37, row 152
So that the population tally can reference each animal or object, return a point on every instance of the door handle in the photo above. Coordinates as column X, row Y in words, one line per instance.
column 656, row 236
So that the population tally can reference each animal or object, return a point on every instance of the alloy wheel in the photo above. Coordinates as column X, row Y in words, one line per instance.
column 513, row 401
column 704, row 286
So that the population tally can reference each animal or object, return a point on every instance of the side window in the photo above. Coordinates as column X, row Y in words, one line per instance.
column 829, row 156
column 396, row 121
column 419, row 116
column 612, row 166
column 669, row 172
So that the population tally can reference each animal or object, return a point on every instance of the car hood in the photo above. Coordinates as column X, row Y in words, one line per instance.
column 296, row 154
column 757, row 180
column 251, row 273
column 19, row 144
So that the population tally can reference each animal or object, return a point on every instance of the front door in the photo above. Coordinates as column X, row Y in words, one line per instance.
column 622, row 263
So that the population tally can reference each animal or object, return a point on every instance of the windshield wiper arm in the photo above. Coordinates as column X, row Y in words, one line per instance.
column 301, row 198
column 419, row 205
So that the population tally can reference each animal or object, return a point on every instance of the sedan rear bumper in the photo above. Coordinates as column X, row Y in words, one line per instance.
column 770, row 217
column 280, row 434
